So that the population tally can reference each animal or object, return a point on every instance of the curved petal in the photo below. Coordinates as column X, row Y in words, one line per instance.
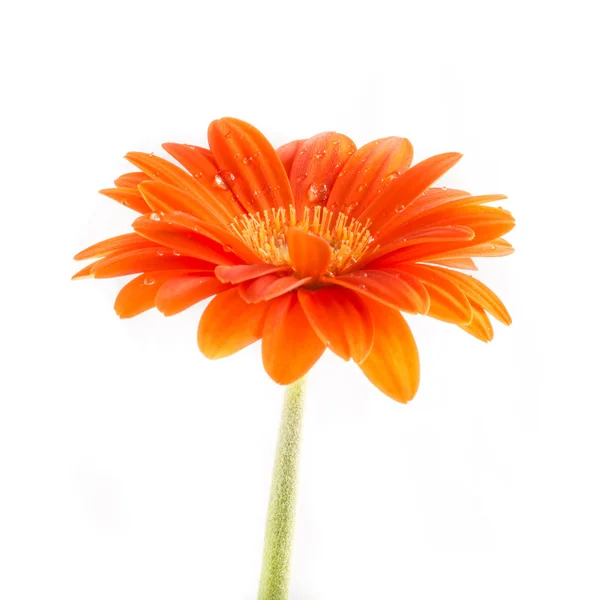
column 84, row 273
column 481, row 294
column 464, row 263
column 310, row 254
column 184, row 241
column 131, row 198
column 250, row 165
column 398, row 290
column 393, row 363
column 139, row 294
column 146, row 260
column 123, row 243
column 182, row 292
column 131, row 180
column 317, row 166
column 480, row 326
column 287, row 154
column 443, row 214
column 163, row 197
column 405, row 188
column 341, row 319
column 493, row 248
column 290, row 346
column 197, row 161
column 229, row 324
column 239, row 273
column 211, row 196
column 230, row 241
column 389, row 255
column 368, row 172
column 270, row 286
column 447, row 301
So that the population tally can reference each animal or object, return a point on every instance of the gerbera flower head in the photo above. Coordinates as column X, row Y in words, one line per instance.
column 316, row 244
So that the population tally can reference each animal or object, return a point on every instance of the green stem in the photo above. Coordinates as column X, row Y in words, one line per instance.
column 275, row 576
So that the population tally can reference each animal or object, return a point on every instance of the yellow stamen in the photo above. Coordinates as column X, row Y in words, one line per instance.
column 265, row 232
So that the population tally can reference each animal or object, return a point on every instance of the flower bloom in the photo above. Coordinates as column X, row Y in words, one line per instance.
column 314, row 245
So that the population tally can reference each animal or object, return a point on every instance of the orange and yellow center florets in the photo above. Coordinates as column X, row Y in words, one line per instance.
column 265, row 234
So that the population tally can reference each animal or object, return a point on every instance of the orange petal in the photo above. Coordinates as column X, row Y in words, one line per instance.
column 201, row 164
column 493, row 248
column 198, row 161
column 317, row 166
column 162, row 197
column 131, row 198
column 183, row 240
column 131, row 180
column 405, row 188
column 209, row 196
column 239, row 273
column 229, row 324
column 287, row 154
column 309, row 253
column 270, row 286
column 393, row 253
column 480, row 327
column 341, row 319
column 393, row 363
column 182, row 292
column 126, row 242
column 146, row 260
column 138, row 295
column 447, row 301
column 250, row 165
column 481, row 294
column 464, row 263
column 486, row 222
column 398, row 290
column 230, row 241
column 290, row 346
column 443, row 213
column 84, row 273
column 368, row 172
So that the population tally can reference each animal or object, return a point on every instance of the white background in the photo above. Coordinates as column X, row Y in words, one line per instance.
column 131, row 467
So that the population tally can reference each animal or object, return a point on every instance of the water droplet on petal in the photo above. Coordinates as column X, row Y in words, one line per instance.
column 317, row 193
column 247, row 160
column 148, row 281
column 176, row 253
column 364, row 274
column 399, row 208
column 224, row 179
column 160, row 253
column 362, row 187
column 318, row 155
column 155, row 216
column 362, row 286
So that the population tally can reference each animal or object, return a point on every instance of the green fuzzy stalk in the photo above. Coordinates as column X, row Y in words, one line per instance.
column 275, row 576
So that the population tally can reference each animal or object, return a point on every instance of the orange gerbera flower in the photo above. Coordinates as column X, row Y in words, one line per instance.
column 314, row 245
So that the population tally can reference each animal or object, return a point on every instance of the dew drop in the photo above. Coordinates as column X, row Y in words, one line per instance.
column 224, row 179
column 391, row 177
column 399, row 208
column 362, row 286
column 160, row 253
column 319, row 155
column 155, row 216
column 148, row 281
column 364, row 274
column 318, row 192
column 176, row 253
column 198, row 175
column 362, row 187
column 247, row 160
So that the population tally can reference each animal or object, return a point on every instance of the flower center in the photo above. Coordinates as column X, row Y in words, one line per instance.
column 265, row 233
